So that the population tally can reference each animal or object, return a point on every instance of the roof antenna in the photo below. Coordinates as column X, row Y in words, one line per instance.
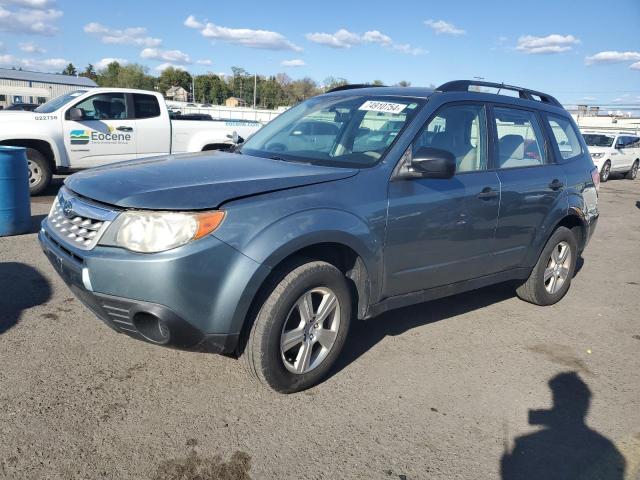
column 501, row 86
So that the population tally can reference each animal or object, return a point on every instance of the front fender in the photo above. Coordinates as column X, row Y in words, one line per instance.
column 273, row 244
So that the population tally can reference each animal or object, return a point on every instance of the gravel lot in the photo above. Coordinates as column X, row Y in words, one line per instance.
column 435, row 391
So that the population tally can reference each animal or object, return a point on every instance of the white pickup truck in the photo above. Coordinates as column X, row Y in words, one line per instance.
column 93, row 127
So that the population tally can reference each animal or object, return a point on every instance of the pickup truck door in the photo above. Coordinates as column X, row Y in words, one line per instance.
column 105, row 135
column 153, row 126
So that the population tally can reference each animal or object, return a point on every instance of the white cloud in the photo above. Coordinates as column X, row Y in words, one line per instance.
column 246, row 37
column 612, row 57
column 37, row 4
column 128, row 36
column 30, row 47
column 103, row 63
column 341, row 39
column 374, row 36
column 553, row 43
column 442, row 27
column 408, row 49
column 635, row 66
column 46, row 65
column 29, row 20
column 204, row 61
column 345, row 39
column 164, row 66
column 171, row 56
column 191, row 22
column 296, row 62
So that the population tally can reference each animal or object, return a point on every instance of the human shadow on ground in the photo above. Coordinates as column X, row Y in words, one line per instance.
column 21, row 287
column 565, row 447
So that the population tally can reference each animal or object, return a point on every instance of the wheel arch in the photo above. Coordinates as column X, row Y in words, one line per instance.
column 42, row 146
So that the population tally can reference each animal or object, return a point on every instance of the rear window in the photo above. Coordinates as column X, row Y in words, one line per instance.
column 146, row 106
column 565, row 136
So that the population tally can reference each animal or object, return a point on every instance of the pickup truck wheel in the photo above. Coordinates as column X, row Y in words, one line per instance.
column 633, row 173
column 605, row 172
column 300, row 328
column 550, row 279
column 39, row 171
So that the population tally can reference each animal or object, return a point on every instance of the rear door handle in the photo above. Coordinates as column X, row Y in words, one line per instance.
column 487, row 193
column 125, row 129
column 556, row 184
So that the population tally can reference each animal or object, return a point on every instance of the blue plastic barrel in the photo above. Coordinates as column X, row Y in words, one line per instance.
column 15, row 203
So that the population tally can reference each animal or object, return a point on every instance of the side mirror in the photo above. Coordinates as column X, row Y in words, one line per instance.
column 235, row 138
column 433, row 163
column 76, row 114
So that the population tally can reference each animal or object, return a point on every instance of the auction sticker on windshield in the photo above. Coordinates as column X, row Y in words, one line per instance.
column 387, row 107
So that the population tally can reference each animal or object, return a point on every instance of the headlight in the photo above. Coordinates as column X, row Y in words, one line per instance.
column 147, row 232
column 597, row 155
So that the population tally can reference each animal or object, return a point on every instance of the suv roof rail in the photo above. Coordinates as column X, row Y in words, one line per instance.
column 352, row 86
column 525, row 93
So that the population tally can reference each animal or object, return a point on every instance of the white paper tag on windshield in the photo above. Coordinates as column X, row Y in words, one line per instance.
column 387, row 107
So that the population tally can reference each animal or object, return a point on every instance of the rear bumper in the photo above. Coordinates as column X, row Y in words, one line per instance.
column 162, row 300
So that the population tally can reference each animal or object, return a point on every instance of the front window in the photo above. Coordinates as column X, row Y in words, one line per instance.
column 56, row 103
column 104, row 106
column 598, row 139
column 339, row 131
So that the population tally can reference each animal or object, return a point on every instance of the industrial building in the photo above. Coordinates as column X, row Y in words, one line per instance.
column 21, row 86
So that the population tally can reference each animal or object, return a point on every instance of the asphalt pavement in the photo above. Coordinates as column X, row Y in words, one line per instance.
column 476, row 386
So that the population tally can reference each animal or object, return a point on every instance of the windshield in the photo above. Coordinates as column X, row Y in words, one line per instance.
column 598, row 140
column 54, row 104
column 342, row 131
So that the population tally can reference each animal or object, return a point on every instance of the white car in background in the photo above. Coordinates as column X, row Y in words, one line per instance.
column 614, row 153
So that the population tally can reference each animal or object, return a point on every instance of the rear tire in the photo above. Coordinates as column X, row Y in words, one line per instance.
column 633, row 173
column 39, row 171
column 551, row 277
column 289, row 347
column 605, row 172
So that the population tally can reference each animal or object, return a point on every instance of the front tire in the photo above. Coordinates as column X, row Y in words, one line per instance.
column 39, row 171
column 300, row 328
column 633, row 173
column 605, row 172
column 551, row 277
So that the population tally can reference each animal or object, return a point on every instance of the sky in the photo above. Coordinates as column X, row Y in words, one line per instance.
column 579, row 51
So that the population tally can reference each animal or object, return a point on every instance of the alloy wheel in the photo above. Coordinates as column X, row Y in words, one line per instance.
column 310, row 330
column 558, row 265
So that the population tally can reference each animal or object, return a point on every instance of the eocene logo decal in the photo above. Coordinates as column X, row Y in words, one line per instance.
column 79, row 137
column 83, row 137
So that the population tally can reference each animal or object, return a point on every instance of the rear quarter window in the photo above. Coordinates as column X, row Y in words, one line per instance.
column 565, row 136
column 145, row 106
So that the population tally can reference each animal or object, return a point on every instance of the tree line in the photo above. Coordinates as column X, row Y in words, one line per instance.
column 271, row 91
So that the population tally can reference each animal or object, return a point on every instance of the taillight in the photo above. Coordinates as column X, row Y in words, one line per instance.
column 595, row 175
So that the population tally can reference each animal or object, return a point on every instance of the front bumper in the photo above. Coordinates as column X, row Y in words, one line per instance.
column 178, row 299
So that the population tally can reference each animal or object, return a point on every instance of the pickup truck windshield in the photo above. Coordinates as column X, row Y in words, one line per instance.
column 598, row 140
column 341, row 131
column 54, row 104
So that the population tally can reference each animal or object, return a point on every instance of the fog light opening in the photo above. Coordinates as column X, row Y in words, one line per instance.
column 151, row 327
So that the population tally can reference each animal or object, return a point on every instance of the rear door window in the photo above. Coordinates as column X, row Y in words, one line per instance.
column 520, row 138
column 565, row 136
column 145, row 106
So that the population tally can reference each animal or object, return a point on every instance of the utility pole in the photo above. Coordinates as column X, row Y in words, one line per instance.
column 255, row 86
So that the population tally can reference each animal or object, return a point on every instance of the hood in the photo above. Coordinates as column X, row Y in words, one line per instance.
column 195, row 181
column 13, row 115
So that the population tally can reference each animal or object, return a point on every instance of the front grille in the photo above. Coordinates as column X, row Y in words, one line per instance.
column 78, row 222
column 83, row 232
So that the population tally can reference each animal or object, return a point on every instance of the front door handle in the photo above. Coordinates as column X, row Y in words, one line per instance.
column 556, row 184
column 487, row 193
column 125, row 129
